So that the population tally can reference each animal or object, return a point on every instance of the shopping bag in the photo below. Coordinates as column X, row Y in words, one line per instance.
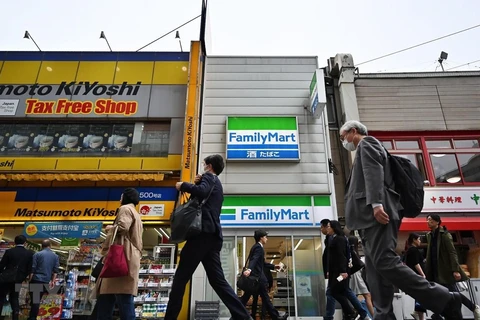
column 115, row 263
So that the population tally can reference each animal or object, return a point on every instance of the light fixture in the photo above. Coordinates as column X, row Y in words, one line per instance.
column 454, row 179
column 156, row 230
column 27, row 35
column 49, row 69
column 298, row 244
column 437, row 155
column 102, row 36
column 318, row 247
column 271, row 262
column 274, row 256
column 164, row 233
column 177, row 36
column 55, row 240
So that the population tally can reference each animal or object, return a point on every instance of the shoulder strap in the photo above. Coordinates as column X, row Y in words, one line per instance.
column 248, row 259
column 210, row 193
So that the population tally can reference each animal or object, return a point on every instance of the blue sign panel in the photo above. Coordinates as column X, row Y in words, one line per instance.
column 62, row 229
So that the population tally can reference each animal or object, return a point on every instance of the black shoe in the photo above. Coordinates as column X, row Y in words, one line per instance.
column 283, row 317
column 453, row 310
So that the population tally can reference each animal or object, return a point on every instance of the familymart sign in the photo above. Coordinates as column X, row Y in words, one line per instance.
column 283, row 211
column 263, row 138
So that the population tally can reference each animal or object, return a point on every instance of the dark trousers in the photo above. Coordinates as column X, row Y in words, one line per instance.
column 35, row 299
column 255, row 305
column 263, row 293
column 10, row 290
column 385, row 270
column 205, row 249
column 339, row 290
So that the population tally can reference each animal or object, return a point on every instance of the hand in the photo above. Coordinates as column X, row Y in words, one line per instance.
column 344, row 275
column 246, row 273
column 380, row 215
column 198, row 178
column 51, row 285
column 108, row 227
column 178, row 185
column 457, row 276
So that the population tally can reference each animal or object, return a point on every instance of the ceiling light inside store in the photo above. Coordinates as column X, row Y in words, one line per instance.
column 318, row 247
column 55, row 240
column 161, row 235
column 454, row 179
column 271, row 262
column 298, row 244
column 164, row 233
column 438, row 155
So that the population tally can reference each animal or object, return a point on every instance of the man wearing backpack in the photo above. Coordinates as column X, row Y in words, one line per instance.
column 373, row 207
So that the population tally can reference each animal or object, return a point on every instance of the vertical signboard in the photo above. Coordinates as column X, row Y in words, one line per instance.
column 318, row 98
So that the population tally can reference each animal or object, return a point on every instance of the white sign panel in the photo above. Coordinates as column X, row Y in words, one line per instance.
column 152, row 210
column 8, row 107
column 452, row 200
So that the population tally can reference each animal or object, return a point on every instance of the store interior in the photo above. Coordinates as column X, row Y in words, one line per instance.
column 78, row 257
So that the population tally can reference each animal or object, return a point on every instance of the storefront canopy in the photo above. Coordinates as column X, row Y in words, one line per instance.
column 452, row 223
column 83, row 177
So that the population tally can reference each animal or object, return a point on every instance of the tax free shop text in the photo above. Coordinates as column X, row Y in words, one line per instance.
column 258, row 137
column 272, row 215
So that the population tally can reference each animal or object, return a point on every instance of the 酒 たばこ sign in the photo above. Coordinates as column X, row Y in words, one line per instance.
column 263, row 138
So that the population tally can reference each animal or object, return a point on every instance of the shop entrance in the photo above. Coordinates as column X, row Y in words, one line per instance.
column 298, row 286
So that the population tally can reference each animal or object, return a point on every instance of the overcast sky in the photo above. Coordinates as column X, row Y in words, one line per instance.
column 366, row 29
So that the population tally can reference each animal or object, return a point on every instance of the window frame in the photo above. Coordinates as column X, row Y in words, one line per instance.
column 422, row 138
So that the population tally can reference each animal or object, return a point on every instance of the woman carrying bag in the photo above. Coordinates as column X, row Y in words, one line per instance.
column 126, row 231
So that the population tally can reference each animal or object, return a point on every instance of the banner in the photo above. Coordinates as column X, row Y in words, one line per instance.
column 62, row 229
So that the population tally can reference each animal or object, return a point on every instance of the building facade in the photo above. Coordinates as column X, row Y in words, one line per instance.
column 257, row 114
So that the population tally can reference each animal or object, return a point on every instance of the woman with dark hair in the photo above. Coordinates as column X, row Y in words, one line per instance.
column 357, row 284
column 121, row 290
column 414, row 260
column 337, row 268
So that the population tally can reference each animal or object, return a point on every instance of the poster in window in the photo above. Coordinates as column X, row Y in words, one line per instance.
column 97, row 139
column 42, row 141
column 5, row 133
column 21, row 139
column 71, row 137
column 121, row 139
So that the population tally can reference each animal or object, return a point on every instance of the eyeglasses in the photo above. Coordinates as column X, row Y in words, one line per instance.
column 342, row 137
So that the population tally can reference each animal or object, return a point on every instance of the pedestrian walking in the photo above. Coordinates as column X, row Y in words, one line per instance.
column 375, row 210
column 121, row 290
column 206, row 246
column 15, row 267
column 45, row 267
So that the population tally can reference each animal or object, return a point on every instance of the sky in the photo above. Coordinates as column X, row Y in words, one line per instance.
column 366, row 29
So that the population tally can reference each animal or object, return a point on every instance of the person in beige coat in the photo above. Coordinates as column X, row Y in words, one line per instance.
column 122, row 290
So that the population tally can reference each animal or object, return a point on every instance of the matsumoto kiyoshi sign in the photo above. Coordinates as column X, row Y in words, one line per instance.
column 79, row 106
column 300, row 211
column 262, row 138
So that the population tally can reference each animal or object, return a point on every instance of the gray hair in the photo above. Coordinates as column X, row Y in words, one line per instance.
column 349, row 125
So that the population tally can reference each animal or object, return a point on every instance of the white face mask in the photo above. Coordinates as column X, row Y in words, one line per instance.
column 349, row 145
column 205, row 169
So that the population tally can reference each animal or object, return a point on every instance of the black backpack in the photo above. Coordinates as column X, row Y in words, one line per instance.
column 408, row 184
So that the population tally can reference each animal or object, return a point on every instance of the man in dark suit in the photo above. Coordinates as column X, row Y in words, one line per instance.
column 267, row 267
column 375, row 211
column 18, row 258
column 255, row 267
column 205, row 247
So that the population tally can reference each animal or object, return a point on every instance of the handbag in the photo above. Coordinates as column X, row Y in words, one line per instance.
column 186, row 219
column 115, row 263
column 248, row 284
column 355, row 264
column 97, row 269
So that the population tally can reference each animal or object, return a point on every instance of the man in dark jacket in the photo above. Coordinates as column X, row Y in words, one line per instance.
column 255, row 268
column 205, row 247
column 442, row 261
column 18, row 258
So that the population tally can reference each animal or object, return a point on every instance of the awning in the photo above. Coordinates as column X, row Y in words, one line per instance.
column 452, row 223
column 83, row 177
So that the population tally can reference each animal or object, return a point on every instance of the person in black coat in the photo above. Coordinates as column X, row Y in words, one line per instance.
column 20, row 258
column 206, row 246
column 267, row 267
column 255, row 267
column 337, row 268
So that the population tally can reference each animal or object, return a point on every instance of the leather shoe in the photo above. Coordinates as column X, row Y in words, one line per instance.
column 453, row 310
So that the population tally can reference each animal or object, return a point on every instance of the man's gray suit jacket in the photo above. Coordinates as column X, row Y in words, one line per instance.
column 366, row 186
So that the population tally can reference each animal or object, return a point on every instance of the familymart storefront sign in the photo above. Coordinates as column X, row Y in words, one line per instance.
column 278, row 211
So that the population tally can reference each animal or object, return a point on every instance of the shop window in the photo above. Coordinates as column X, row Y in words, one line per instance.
column 445, row 168
column 387, row 144
column 399, row 144
column 470, row 166
column 436, row 144
column 465, row 143
column 85, row 140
